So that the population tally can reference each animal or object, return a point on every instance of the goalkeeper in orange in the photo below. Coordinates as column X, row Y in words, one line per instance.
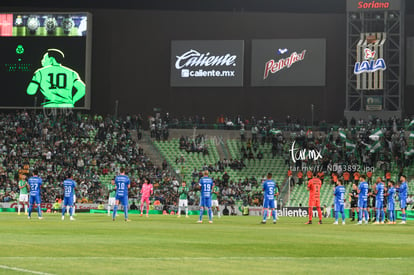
column 314, row 187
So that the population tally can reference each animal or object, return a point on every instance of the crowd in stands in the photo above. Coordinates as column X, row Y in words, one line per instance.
column 290, row 123
column 368, row 149
column 89, row 147
column 342, row 152
column 195, row 144
column 220, row 167
column 159, row 127
column 356, row 147
column 345, row 151
column 93, row 146
column 248, row 191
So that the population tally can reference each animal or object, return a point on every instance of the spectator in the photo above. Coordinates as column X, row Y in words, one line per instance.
column 300, row 177
column 226, row 178
column 260, row 156
column 133, row 206
column 242, row 134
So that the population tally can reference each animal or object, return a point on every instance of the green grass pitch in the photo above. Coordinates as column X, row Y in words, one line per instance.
column 94, row 244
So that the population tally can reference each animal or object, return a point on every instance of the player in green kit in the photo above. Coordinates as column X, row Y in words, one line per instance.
column 24, row 196
column 183, row 201
column 56, row 82
column 214, row 200
column 111, row 199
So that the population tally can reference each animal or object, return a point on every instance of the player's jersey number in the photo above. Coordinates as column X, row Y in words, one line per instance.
column 122, row 185
column 57, row 80
column 208, row 187
column 68, row 190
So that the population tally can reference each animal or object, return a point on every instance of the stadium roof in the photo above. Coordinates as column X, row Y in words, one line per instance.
column 294, row 6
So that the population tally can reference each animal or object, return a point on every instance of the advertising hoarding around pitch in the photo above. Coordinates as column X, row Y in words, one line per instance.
column 288, row 62
column 207, row 63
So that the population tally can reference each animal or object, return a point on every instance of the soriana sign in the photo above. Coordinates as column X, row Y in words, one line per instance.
column 372, row 5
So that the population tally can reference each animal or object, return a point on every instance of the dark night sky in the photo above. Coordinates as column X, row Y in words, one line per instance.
column 159, row 21
column 331, row 6
column 298, row 6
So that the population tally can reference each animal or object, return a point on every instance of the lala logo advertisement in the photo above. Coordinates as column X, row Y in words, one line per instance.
column 288, row 62
column 370, row 64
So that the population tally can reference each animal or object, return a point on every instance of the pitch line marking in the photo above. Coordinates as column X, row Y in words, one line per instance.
column 202, row 258
column 23, row 270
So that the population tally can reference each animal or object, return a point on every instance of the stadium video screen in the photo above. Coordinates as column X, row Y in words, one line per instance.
column 207, row 63
column 288, row 62
column 45, row 60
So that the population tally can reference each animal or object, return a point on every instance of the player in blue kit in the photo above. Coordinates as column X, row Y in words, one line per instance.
column 363, row 200
column 391, row 203
column 269, row 187
column 402, row 194
column 68, row 189
column 35, row 183
column 122, row 184
column 339, row 205
column 379, row 199
column 206, row 184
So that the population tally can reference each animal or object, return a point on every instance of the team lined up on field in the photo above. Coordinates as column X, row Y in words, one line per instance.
column 30, row 192
column 384, row 197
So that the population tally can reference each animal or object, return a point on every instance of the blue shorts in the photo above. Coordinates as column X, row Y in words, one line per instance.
column 378, row 204
column 68, row 201
column 122, row 199
column 339, row 208
column 268, row 203
column 205, row 201
column 403, row 203
column 362, row 204
column 391, row 206
column 34, row 199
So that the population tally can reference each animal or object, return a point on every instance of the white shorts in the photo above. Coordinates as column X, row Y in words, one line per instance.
column 214, row 203
column 24, row 197
column 183, row 203
column 74, row 199
column 111, row 201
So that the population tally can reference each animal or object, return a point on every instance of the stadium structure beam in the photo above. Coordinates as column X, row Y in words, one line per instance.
column 376, row 26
